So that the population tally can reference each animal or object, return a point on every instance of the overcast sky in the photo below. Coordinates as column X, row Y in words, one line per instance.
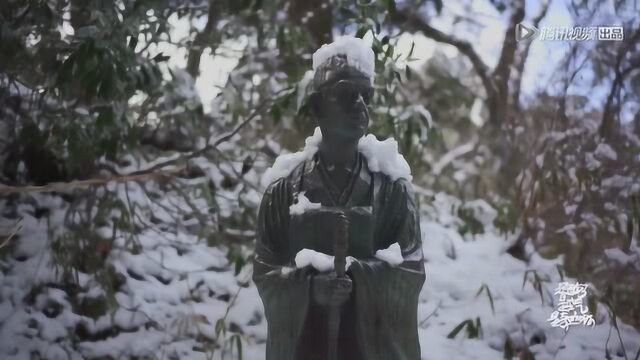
column 487, row 39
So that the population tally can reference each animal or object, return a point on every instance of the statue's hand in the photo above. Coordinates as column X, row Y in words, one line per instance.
column 327, row 289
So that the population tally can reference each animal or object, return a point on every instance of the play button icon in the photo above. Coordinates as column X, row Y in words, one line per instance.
column 524, row 32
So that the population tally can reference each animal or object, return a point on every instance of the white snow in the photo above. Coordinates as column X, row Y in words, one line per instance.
column 457, row 269
column 382, row 156
column 302, row 205
column 450, row 156
column 592, row 163
column 540, row 160
column 302, row 88
column 482, row 211
column 359, row 54
column 391, row 255
column 605, row 151
column 176, row 288
column 319, row 261
column 630, row 257
column 285, row 163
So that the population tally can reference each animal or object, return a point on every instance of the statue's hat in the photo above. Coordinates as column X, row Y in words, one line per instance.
column 345, row 54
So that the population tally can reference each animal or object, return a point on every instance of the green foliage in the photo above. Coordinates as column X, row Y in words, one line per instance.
column 237, row 259
column 509, row 352
column 507, row 218
column 470, row 224
column 537, row 282
column 485, row 288
column 86, row 89
column 473, row 328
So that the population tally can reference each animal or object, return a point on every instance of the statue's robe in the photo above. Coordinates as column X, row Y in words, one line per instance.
column 379, row 321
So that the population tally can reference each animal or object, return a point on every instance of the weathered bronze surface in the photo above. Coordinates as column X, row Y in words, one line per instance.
column 369, row 311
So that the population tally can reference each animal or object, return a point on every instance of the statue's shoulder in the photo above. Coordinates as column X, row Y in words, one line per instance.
column 289, row 183
column 278, row 186
column 390, row 175
column 393, row 187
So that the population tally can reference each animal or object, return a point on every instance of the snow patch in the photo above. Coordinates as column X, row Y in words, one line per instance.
column 303, row 86
column 303, row 205
column 319, row 261
column 592, row 163
column 359, row 54
column 391, row 255
column 285, row 164
column 482, row 211
column 606, row 152
column 382, row 156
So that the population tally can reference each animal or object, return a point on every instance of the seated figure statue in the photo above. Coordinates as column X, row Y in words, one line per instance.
column 339, row 264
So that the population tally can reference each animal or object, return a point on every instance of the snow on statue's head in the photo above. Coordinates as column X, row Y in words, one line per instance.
column 342, row 83
column 345, row 54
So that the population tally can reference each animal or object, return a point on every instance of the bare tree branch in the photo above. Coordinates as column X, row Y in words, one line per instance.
column 417, row 23
column 608, row 121
column 498, row 105
column 522, row 56
column 509, row 45
column 148, row 173
column 203, row 39
column 496, row 82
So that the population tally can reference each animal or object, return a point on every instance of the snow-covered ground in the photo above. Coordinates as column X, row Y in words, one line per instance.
column 177, row 293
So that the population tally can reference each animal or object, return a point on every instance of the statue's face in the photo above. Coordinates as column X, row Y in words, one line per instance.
column 340, row 106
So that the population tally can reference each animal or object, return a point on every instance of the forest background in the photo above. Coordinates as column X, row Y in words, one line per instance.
column 134, row 134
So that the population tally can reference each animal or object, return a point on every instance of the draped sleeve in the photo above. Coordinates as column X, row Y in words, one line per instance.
column 387, row 297
column 283, row 289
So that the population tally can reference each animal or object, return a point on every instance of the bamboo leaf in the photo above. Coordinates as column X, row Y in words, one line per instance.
column 361, row 32
column 220, row 327
column 508, row 349
column 239, row 346
column 459, row 328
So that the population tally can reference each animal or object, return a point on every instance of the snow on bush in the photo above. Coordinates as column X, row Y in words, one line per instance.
column 175, row 289
column 319, row 261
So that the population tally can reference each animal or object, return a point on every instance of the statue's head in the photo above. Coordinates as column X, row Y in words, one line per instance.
column 342, row 88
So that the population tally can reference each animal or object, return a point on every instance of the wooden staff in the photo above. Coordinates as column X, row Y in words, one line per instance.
column 340, row 247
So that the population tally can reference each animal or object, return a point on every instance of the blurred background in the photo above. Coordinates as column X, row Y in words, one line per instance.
column 134, row 134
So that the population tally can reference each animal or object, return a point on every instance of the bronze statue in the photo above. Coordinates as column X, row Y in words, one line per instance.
column 365, row 308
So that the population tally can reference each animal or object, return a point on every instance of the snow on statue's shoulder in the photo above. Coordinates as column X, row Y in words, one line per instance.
column 302, row 205
column 383, row 156
column 284, row 164
column 391, row 255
